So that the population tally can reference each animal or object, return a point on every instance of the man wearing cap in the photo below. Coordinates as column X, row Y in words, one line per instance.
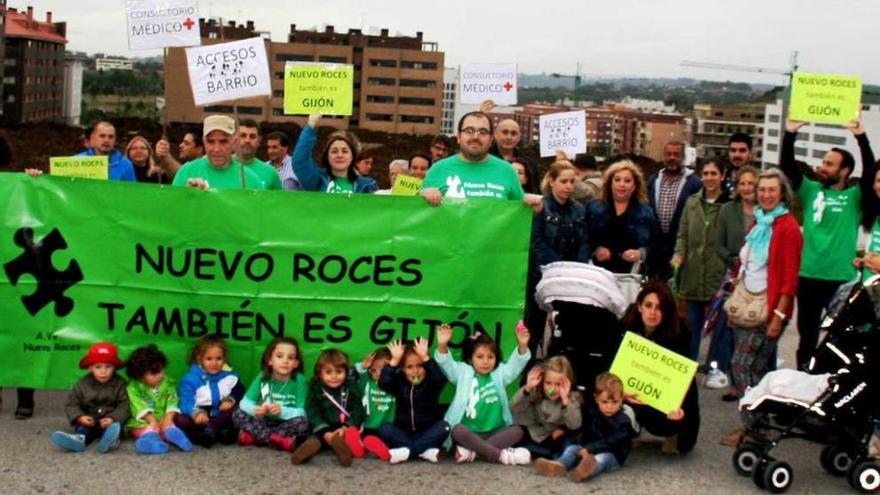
column 218, row 169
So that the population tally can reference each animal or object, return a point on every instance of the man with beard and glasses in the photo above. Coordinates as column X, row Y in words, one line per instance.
column 832, row 212
column 473, row 172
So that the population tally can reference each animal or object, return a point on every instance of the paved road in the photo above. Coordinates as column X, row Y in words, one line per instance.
column 29, row 464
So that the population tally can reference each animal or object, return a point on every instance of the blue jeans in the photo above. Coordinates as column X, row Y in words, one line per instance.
column 696, row 313
column 721, row 346
column 91, row 433
column 418, row 442
column 605, row 463
column 570, row 457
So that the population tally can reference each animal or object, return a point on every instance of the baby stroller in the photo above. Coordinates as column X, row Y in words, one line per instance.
column 585, row 305
column 841, row 412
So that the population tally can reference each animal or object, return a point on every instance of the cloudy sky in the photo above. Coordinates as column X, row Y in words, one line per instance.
column 608, row 38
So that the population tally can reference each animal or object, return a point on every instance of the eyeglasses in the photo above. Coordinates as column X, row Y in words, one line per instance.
column 470, row 131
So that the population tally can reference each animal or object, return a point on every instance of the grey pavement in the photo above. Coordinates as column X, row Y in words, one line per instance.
column 30, row 464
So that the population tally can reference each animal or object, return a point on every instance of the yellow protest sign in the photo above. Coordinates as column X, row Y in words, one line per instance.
column 660, row 377
column 85, row 167
column 404, row 185
column 827, row 98
column 315, row 87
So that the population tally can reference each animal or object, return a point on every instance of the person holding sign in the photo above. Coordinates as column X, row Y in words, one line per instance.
column 768, row 266
column 621, row 226
column 654, row 317
column 395, row 168
column 218, row 169
column 337, row 173
column 473, row 172
column 832, row 211
column 419, row 164
column 103, row 141
column 191, row 148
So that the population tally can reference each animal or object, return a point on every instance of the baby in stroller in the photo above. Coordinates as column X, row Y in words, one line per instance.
column 834, row 403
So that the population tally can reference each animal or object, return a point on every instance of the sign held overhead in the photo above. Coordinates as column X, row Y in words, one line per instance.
column 481, row 82
column 566, row 131
column 229, row 71
column 162, row 23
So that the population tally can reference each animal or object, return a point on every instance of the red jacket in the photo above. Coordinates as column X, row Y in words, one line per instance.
column 784, row 262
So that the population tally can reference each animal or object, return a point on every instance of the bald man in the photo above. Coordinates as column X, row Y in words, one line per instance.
column 506, row 146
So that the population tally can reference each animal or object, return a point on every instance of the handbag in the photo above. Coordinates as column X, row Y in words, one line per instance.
column 746, row 309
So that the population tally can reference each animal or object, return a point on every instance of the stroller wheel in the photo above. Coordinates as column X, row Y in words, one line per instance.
column 778, row 476
column 746, row 458
column 865, row 477
column 760, row 469
column 835, row 460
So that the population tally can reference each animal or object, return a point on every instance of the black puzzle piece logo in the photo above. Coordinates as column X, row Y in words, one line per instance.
column 37, row 261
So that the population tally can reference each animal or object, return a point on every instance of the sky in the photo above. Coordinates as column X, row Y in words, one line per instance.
column 608, row 38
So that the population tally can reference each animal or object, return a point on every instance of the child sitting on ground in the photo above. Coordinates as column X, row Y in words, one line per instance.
column 416, row 381
column 98, row 404
column 336, row 411
column 608, row 431
column 548, row 408
column 479, row 413
column 272, row 411
column 153, row 400
column 208, row 395
column 379, row 405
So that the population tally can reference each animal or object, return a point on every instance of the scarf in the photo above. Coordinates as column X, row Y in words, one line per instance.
column 759, row 237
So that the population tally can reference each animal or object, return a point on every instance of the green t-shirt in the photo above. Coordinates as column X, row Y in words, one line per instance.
column 379, row 405
column 829, row 241
column 288, row 393
column 483, row 412
column 266, row 172
column 491, row 178
column 144, row 400
column 340, row 185
column 227, row 178
column 873, row 247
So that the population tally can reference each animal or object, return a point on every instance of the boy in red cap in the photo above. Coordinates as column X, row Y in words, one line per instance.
column 98, row 405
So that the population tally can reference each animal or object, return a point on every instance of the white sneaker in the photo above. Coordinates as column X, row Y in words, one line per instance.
column 521, row 456
column 463, row 455
column 506, row 457
column 716, row 379
column 430, row 455
column 398, row 455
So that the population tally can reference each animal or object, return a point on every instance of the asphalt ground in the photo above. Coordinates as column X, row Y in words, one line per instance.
column 30, row 464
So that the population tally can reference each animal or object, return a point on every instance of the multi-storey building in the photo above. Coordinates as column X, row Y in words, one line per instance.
column 714, row 124
column 398, row 84
column 33, row 75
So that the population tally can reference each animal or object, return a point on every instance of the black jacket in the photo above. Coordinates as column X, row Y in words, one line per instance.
column 417, row 405
column 604, row 434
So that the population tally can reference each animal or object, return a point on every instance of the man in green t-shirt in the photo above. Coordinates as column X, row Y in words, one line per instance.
column 832, row 212
column 218, row 169
column 473, row 172
column 248, row 143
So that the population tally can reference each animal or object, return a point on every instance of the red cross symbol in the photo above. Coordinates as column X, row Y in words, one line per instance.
column 188, row 23
column 507, row 86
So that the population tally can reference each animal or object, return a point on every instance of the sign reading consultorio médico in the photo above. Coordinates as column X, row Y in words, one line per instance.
column 246, row 266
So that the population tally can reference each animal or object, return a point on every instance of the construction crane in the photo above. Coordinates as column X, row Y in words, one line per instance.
column 792, row 62
column 577, row 80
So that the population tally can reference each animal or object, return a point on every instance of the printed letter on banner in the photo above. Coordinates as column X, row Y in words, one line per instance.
column 229, row 71
column 162, row 23
column 481, row 82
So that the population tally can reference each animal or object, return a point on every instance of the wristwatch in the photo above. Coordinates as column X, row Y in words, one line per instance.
column 780, row 314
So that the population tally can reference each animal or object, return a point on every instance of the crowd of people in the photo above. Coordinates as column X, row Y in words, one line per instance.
column 701, row 236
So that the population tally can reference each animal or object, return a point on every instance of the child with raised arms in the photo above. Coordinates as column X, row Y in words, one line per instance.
column 548, row 408
column 208, row 394
column 379, row 405
column 97, row 407
column 154, row 403
column 416, row 381
column 479, row 414
column 272, row 411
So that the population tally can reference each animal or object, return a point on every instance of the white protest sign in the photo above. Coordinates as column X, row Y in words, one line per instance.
column 566, row 131
column 162, row 23
column 229, row 71
column 481, row 82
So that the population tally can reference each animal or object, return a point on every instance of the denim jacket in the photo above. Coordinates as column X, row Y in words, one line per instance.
column 640, row 220
column 559, row 233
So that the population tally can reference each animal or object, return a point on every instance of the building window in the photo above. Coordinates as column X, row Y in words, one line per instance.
column 407, row 64
column 773, row 118
column 773, row 132
column 803, row 136
column 250, row 110
column 277, row 112
column 293, row 57
column 219, row 109
column 866, row 108
column 375, row 62
column 818, row 153
column 380, row 99
column 212, row 35
column 332, row 60
column 822, row 138
column 416, row 119
column 772, row 147
column 800, row 151
column 408, row 100
column 418, row 83
column 380, row 117
column 380, row 81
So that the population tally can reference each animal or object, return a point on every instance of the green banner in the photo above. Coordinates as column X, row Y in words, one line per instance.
column 85, row 261
column 660, row 377
column 311, row 87
column 832, row 99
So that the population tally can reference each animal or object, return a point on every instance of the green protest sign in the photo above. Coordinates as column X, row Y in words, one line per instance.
column 660, row 377
column 86, row 261
column 404, row 185
column 86, row 167
column 827, row 98
column 315, row 87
